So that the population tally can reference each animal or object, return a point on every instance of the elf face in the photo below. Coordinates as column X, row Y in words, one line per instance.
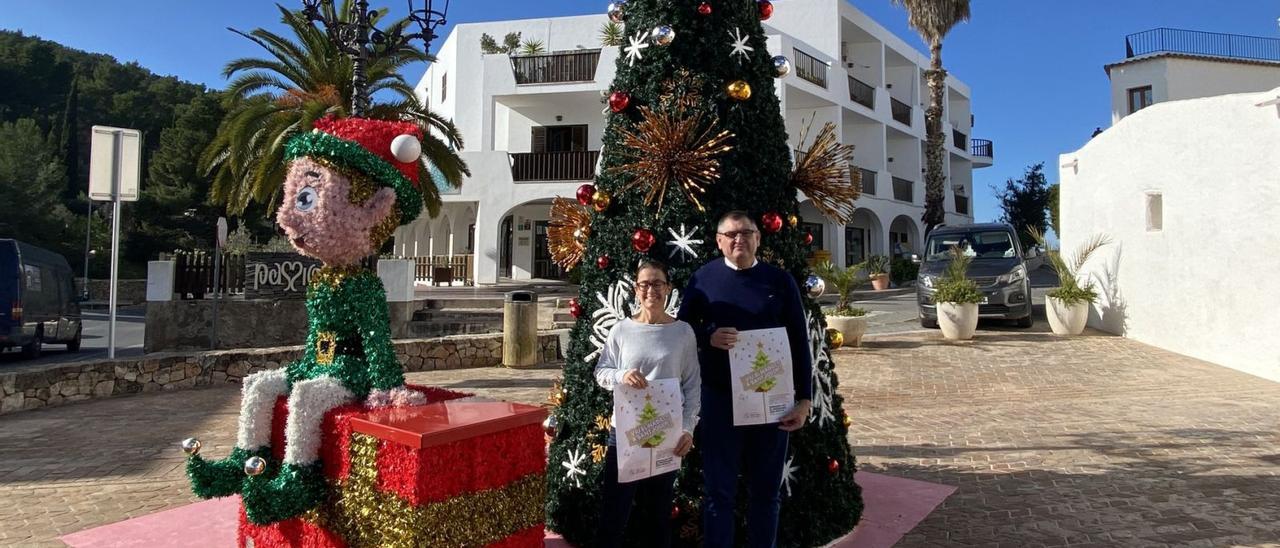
column 321, row 220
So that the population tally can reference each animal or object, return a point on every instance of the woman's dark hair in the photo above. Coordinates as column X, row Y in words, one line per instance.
column 656, row 265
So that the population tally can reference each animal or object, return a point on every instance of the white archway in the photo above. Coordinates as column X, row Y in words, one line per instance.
column 904, row 237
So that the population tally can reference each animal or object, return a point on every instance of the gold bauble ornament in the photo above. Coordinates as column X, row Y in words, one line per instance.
column 601, row 200
column 793, row 220
column 847, row 421
column 255, row 465
column 835, row 338
column 738, row 90
column 191, row 446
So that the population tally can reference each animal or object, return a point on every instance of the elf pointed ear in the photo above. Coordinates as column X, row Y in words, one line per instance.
column 380, row 205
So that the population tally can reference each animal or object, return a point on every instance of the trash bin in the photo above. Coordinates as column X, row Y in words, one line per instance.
column 520, row 329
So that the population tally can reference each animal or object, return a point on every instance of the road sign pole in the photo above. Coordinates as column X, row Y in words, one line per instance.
column 117, row 138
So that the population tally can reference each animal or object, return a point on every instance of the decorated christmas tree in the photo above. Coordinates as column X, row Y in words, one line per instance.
column 694, row 131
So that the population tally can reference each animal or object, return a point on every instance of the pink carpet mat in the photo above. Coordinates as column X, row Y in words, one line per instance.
column 894, row 506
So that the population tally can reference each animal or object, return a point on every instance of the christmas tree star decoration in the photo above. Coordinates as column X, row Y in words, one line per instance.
column 638, row 43
column 567, row 232
column 788, row 473
column 573, row 467
column 739, row 45
column 672, row 146
column 822, row 172
column 682, row 242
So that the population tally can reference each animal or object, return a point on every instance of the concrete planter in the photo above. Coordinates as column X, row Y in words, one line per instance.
column 958, row 321
column 1064, row 319
column 880, row 282
column 853, row 327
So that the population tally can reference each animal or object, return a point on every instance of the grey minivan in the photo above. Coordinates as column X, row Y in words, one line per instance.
column 38, row 304
column 998, row 268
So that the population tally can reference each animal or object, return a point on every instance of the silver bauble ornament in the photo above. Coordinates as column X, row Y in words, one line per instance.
column 616, row 10
column 662, row 35
column 255, row 465
column 191, row 446
column 551, row 426
column 781, row 66
column 815, row 286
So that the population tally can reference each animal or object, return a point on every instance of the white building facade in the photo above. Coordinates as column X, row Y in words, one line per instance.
column 533, row 127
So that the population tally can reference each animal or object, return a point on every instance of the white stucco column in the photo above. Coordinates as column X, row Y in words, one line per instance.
column 487, row 240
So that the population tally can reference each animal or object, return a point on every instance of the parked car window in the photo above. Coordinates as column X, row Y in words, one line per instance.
column 994, row 244
column 33, row 277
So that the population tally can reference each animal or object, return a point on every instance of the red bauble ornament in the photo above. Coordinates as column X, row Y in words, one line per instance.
column 675, row 511
column 575, row 308
column 766, row 9
column 833, row 466
column 704, row 9
column 642, row 239
column 771, row 221
column 602, row 262
column 808, row 238
column 586, row 194
column 619, row 101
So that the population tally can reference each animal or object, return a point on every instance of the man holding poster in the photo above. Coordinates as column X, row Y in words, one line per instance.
column 753, row 347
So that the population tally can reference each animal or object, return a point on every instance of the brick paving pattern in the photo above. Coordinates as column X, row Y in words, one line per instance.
column 1051, row 442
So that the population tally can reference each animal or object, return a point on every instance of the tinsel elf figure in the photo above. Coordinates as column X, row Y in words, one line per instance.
column 350, row 183
column 693, row 131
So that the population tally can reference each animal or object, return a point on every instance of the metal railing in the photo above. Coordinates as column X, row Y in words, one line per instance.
column 981, row 147
column 862, row 93
column 901, row 111
column 1202, row 43
column 554, row 166
column 555, row 68
column 443, row 269
column 960, row 140
column 810, row 68
column 903, row 190
column 962, row 204
column 868, row 180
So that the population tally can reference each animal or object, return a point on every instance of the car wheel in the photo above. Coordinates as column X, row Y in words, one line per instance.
column 33, row 348
column 1026, row 322
column 929, row 323
column 74, row 344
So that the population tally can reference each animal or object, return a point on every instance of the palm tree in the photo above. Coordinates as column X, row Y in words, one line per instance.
column 933, row 19
column 305, row 78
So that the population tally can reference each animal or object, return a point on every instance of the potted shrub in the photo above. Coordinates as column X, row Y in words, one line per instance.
column 1067, row 306
column 878, row 270
column 850, row 321
column 956, row 298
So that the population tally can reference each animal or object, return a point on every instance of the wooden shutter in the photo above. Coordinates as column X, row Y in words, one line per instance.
column 539, row 139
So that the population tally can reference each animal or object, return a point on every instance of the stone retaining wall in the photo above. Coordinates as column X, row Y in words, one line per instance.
column 33, row 387
column 131, row 292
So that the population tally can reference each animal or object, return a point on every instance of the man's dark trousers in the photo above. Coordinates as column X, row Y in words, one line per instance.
column 756, row 450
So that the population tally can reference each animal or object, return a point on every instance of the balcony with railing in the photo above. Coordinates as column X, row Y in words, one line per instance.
column 1193, row 42
column 903, row 190
column 556, row 68
column 981, row 148
column 901, row 111
column 959, row 140
column 810, row 68
column 553, row 166
column 862, row 93
column 868, row 180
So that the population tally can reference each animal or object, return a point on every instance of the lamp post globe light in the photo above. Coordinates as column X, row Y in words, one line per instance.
column 357, row 37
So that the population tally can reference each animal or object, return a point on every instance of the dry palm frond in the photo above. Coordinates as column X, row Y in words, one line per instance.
column 823, row 173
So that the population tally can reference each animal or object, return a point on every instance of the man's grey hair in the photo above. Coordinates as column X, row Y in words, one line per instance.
column 736, row 215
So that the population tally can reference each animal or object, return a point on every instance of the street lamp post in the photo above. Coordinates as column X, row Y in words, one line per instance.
column 358, row 38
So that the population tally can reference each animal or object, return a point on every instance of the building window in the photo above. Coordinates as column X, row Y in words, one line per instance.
column 855, row 245
column 1139, row 98
column 444, row 87
column 1155, row 212
column 471, row 238
column 559, row 138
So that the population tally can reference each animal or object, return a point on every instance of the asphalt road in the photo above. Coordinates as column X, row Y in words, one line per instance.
column 130, row 324
column 898, row 313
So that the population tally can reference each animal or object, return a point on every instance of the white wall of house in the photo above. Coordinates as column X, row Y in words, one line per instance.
column 1203, row 282
column 1174, row 77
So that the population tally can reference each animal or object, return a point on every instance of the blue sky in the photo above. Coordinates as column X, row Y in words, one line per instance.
column 1034, row 66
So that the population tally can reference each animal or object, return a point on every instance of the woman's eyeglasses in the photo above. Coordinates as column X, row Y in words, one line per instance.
column 650, row 286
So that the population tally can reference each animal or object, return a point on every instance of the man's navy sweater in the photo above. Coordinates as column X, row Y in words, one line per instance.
column 759, row 297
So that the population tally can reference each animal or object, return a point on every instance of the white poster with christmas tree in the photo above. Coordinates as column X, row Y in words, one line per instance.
column 760, row 376
column 648, row 422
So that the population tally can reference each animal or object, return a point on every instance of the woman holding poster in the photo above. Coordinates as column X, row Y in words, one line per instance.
column 650, row 363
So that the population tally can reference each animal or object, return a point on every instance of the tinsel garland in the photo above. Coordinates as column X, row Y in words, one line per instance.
column 351, row 156
column 223, row 477
column 305, row 484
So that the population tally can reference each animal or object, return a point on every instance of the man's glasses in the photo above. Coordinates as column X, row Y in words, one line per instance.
column 651, row 286
column 744, row 234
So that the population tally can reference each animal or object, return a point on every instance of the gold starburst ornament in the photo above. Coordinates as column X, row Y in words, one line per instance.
column 823, row 173
column 672, row 147
column 567, row 232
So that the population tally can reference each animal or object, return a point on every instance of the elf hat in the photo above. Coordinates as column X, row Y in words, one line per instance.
column 387, row 152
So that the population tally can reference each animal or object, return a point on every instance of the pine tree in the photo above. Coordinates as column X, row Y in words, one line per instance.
column 70, row 145
column 695, row 131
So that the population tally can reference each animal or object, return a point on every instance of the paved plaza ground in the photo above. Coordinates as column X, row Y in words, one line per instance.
column 1089, row 441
